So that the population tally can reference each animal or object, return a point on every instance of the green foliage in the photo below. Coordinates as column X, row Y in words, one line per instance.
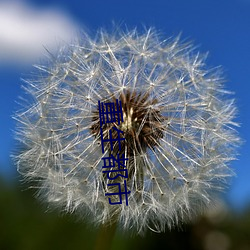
column 25, row 226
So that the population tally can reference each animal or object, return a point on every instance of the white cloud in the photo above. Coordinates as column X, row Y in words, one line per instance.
column 25, row 31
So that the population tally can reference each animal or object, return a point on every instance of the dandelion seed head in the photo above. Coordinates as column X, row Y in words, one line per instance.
column 178, row 125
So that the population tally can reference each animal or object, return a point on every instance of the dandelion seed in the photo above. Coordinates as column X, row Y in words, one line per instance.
column 177, row 122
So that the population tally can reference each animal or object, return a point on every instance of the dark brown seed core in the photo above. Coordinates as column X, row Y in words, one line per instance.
column 142, row 124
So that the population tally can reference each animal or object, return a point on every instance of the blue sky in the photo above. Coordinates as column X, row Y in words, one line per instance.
column 221, row 27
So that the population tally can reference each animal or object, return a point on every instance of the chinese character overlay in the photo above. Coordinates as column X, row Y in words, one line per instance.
column 111, row 139
column 108, row 114
column 119, row 193
column 112, row 166
column 112, row 163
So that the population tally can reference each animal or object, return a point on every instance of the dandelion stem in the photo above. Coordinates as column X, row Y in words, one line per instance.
column 105, row 236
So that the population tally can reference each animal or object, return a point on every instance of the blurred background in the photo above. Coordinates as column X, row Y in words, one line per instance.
column 29, row 28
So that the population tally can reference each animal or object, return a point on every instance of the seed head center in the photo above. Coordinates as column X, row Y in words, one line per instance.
column 142, row 125
column 128, row 121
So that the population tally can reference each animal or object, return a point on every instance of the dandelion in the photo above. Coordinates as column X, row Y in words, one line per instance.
column 177, row 122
